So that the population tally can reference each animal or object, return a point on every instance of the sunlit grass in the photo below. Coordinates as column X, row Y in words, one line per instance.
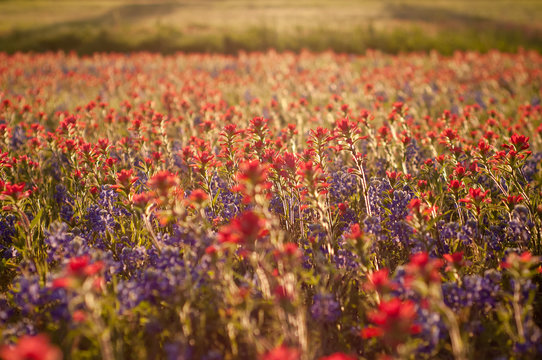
column 231, row 25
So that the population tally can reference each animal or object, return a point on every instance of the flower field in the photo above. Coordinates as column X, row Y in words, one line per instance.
column 271, row 206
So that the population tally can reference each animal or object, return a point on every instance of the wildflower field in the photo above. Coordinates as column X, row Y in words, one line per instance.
column 271, row 206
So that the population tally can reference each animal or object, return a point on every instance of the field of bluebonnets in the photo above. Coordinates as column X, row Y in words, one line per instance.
column 270, row 206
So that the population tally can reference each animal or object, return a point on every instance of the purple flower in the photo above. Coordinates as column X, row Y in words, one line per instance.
column 325, row 308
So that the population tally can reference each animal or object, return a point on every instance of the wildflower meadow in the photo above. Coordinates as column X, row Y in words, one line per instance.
column 271, row 206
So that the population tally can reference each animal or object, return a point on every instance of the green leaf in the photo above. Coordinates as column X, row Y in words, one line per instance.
column 36, row 219
column 216, row 197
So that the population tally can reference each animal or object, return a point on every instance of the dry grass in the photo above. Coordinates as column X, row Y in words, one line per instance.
column 67, row 24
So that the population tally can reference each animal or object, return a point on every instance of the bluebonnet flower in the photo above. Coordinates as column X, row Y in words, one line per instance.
column 30, row 299
column 342, row 185
column 533, row 338
column 518, row 233
column 131, row 258
column 378, row 191
column 495, row 239
column 469, row 232
column 448, row 231
column 519, row 228
column 403, row 290
column 101, row 216
column 61, row 242
column 317, row 231
column 307, row 258
column 526, row 288
column 20, row 328
column 18, row 137
column 65, row 201
column 7, row 232
column 229, row 203
column 99, row 220
column 433, row 330
column 107, row 200
column 6, row 311
column 427, row 98
column 390, row 210
column 345, row 258
column 275, row 205
column 213, row 355
column 180, row 236
column 178, row 350
column 161, row 278
column 480, row 292
column 349, row 217
column 325, row 308
column 381, row 165
column 529, row 170
column 413, row 157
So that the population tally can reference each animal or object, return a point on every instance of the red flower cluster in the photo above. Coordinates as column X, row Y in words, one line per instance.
column 31, row 348
column 13, row 191
column 522, row 265
column 380, row 282
column 243, row 229
column 79, row 269
column 424, row 268
column 282, row 352
column 394, row 320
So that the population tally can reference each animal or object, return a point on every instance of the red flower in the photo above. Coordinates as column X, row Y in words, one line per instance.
column 520, row 142
column 522, row 264
column 512, row 200
column 460, row 171
column 282, row 293
column 422, row 266
column 162, row 182
column 477, row 194
column 476, row 197
column 455, row 259
column 79, row 316
column 31, row 347
column 394, row 321
column 211, row 250
column 355, row 232
column 371, row 332
column 282, row 352
column 338, row 356
column 94, row 190
column 484, row 147
column 455, row 185
column 415, row 204
column 15, row 191
column 77, row 265
column 422, row 184
column 94, row 268
column 344, row 125
column 449, row 134
column 380, row 281
column 252, row 172
column 141, row 200
column 291, row 249
column 245, row 228
column 62, row 282
column 198, row 196
column 393, row 176
column 125, row 179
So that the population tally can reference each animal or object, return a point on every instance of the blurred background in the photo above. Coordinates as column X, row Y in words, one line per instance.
column 228, row 26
